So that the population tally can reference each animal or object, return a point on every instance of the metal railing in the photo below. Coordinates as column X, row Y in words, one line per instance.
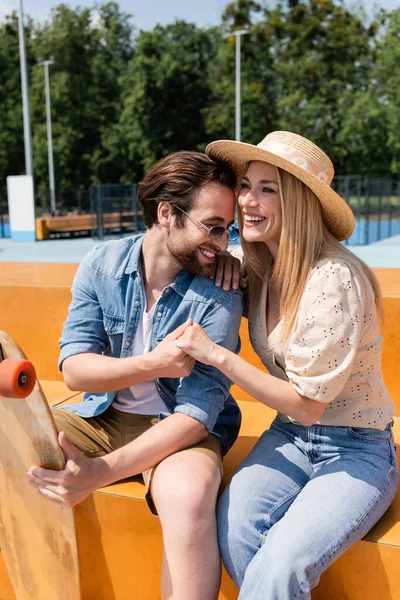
column 375, row 203
column 115, row 210
column 71, row 201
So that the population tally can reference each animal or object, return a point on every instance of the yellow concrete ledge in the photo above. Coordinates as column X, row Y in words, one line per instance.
column 57, row 392
column 120, row 542
column 35, row 297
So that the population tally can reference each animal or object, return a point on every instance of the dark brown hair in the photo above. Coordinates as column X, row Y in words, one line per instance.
column 177, row 178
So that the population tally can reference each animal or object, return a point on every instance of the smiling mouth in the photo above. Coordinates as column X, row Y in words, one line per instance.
column 208, row 253
column 253, row 219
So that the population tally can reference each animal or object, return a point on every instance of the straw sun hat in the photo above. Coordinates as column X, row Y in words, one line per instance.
column 300, row 157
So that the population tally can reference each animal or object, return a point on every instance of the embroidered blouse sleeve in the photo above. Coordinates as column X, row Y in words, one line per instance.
column 326, row 335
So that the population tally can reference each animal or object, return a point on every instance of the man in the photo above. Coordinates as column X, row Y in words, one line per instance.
column 131, row 299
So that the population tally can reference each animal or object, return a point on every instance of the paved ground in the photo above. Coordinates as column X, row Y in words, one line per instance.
column 381, row 254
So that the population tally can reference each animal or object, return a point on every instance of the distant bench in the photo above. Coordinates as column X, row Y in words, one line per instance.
column 79, row 224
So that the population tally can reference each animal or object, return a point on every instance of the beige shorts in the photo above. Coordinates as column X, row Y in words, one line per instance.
column 98, row 436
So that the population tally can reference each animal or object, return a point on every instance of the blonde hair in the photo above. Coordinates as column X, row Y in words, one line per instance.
column 304, row 241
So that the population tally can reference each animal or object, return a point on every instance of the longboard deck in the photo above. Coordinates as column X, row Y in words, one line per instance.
column 37, row 537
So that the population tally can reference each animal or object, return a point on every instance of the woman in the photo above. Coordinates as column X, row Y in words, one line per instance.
column 325, row 471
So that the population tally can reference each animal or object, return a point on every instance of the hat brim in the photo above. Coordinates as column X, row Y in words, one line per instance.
column 337, row 214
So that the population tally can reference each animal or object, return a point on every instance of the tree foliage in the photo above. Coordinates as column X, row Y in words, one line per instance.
column 164, row 93
column 121, row 99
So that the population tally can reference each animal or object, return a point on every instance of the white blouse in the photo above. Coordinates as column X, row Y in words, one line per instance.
column 334, row 352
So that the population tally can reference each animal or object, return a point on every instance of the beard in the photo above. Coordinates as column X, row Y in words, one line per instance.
column 187, row 258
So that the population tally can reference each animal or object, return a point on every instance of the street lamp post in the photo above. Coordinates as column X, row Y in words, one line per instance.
column 25, row 94
column 238, row 33
column 46, row 64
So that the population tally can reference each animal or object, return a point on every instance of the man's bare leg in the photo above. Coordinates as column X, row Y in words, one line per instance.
column 184, row 489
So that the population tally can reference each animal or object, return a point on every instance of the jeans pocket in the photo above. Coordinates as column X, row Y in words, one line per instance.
column 376, row 442
column 370, row 435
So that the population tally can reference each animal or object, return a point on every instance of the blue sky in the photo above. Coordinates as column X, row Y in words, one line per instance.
column 148, row 13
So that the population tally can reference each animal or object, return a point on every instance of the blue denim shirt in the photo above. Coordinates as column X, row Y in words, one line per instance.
column 104, row 315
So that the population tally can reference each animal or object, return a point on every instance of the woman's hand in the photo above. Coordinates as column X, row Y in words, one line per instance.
column 169, row 360
column 227, row 272
column 195, row 342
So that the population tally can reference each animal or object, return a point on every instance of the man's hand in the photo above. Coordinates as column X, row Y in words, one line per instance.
column 75, row 483
column 168, row 359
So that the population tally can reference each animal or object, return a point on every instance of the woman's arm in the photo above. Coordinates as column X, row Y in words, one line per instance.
column 276, row 393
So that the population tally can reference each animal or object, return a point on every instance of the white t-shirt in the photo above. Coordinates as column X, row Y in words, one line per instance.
column 142, row 398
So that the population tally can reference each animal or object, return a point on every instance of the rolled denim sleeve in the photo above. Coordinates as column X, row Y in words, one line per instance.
column 83, row 331
column 202, row 394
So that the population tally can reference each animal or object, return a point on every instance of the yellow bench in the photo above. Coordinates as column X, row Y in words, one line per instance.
column 119, row 540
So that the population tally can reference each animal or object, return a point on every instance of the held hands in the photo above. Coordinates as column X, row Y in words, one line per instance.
column 169, row 359
column 227, row 272
column 195, row 342
column 80, row 477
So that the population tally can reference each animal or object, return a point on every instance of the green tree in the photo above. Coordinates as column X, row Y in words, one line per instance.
column 91, row 51
column 119, row 103
column 165, row 91
column 258, row 85
column 387, row 86
column 323, row 56
column 240, row 14
column 12, row 158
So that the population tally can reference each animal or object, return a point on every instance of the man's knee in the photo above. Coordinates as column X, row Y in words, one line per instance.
column 184, row 488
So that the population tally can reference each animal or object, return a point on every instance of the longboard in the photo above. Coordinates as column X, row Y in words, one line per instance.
column 37, row 537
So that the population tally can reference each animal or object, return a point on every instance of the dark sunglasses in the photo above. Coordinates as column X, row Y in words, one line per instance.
column 214, row 233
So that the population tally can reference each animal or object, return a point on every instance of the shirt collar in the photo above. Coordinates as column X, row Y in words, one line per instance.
column 133, row 265
column 182, row 282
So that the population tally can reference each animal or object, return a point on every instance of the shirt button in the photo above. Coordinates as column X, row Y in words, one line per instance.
column 127, row 344
column 167, row 291
column 159, row 314
column 137, row 303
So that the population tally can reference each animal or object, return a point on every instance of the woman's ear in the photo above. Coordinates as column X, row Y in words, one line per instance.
column 164, row 214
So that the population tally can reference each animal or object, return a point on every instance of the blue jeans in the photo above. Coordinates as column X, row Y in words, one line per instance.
column 298, row 501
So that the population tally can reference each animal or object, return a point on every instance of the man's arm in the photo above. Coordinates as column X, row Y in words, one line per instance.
column 99, row 373
column 83, row 475
column 196, row 413
column 84, row 339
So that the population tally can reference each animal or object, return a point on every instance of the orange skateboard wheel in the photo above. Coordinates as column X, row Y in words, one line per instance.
column 17, row 378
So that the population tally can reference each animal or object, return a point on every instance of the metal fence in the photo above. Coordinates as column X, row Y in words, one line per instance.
column 375, row 203
column 72, row 201
column 115, row 210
